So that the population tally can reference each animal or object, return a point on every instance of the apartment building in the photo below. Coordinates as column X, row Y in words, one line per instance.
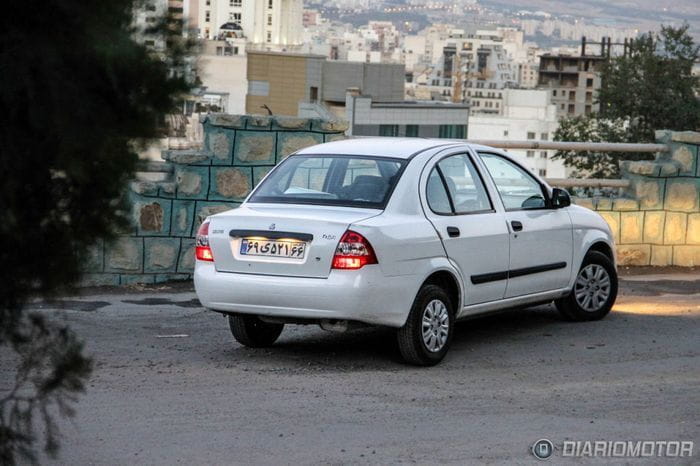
column 573, row 80
column 265, row 23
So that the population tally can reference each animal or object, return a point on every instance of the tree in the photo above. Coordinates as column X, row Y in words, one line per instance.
column 590, row 128
column 79, row 95
column 649, row 88
column 652, row 87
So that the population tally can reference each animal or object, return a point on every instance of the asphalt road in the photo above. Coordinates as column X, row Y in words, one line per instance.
column 171, row 385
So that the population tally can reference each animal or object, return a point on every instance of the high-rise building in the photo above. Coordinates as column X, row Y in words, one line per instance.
column 573, row 80
column 265, row 23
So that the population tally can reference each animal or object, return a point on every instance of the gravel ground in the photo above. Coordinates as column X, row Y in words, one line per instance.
column 171, row 386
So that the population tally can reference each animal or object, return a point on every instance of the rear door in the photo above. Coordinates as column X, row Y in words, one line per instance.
column 473, row 231
column 541, row 237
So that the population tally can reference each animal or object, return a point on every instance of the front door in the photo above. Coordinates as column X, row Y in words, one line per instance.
column 541, row 237
column 473, row 232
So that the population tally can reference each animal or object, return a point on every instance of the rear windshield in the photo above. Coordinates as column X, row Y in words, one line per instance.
column 350, row 181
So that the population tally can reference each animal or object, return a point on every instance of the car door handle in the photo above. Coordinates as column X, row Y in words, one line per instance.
column 452, row 232
column 517, row 226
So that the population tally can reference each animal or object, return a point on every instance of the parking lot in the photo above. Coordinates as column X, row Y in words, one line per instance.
column 171, row 386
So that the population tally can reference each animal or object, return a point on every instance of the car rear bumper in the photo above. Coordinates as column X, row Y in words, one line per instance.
column 364, row 295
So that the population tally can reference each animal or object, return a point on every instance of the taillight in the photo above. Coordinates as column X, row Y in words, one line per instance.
column 353, row 252
column 201, row 244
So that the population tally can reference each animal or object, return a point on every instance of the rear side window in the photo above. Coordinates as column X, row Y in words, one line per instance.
column 517, row 188
column 455, row 187
column 351, row 181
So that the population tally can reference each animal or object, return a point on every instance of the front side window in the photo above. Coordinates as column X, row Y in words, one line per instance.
column 454, row 186
column 331, row 180
column 517, row 188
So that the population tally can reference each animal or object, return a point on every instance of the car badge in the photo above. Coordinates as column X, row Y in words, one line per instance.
column 271, row 227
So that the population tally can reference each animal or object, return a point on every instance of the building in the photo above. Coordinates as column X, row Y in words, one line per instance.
column 309, row 85
column 527, row 115
column 278, row 81
column 429, row 119
column 573, row 80
column 221, row 68
column 266, row 23
column 464, row 68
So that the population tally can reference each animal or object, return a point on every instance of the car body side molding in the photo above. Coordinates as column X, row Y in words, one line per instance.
column 495, row 276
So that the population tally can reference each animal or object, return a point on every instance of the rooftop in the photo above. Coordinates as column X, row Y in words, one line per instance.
column 402, row 148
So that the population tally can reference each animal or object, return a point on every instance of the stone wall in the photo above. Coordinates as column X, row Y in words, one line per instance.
column 238, row 151
column 658, row 221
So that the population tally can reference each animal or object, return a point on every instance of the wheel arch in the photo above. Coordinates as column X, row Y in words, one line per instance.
column 604, row 248
column 448, row 281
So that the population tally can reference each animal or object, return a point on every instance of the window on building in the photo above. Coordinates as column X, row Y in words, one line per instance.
column 543, row 154
column 530, row 154
column 588, row 109
column 235, row 3
column 589, row 82
column 207, row 16
column 505, row 132
column 572, row 95
column 572, row 109
column 269, row 20
column 544, row 136
column 235, row 17
column 589, row 96
column 259, row 88
column 208, row 2
column 412, row 131
column 543, row 172
column 313, row 94
column 531, row 135
column 269, row 4
column 388, row 130
column 452, row 131
column 269, row 36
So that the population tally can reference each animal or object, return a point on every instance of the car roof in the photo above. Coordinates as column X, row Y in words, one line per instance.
column 384, row 146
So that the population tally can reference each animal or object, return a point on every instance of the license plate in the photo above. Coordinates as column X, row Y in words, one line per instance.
column 289, row 249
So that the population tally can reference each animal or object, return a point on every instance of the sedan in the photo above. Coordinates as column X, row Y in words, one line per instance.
column 413, row 234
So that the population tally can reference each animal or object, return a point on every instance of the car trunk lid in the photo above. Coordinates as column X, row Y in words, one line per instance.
column 259, row 238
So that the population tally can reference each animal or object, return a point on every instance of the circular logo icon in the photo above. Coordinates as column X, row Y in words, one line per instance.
column 543, row 449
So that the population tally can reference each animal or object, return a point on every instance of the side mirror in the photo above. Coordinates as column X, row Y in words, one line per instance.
column 560, row 198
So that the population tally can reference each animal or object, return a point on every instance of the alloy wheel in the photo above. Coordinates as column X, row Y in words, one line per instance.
column 592, row 288
column 436, row 325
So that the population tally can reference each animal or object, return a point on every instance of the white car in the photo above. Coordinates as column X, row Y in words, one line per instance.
column 414, row 234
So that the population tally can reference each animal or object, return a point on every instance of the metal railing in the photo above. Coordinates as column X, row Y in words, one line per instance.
column 587, row 183
column 573, row 146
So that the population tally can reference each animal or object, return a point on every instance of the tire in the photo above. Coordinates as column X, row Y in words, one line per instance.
column 596, row 295
column 249, row 330
column 415, row 349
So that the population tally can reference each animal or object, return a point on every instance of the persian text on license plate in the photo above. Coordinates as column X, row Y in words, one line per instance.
column 291, row 249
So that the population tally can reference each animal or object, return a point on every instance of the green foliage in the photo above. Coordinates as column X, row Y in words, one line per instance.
column 591, row 128
column 652, row 87
column 648, row 89
column 78, row 96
